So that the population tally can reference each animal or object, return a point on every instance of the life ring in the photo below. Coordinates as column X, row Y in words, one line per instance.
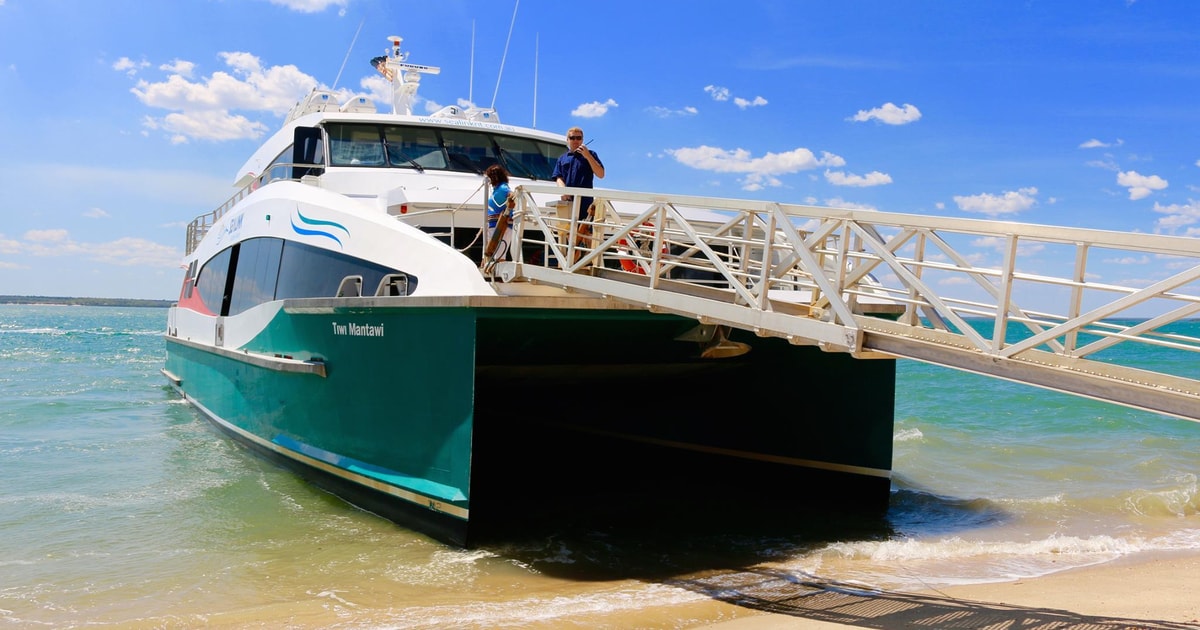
column 643, row 238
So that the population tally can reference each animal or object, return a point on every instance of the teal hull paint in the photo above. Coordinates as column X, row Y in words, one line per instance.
column 395, row 408
column 480, row 411
column 424, row 486
column 402, row 400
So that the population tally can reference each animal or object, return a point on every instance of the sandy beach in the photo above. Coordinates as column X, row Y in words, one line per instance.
column 1157, row 591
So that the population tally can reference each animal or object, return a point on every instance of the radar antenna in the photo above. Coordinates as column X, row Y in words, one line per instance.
column 404, row 77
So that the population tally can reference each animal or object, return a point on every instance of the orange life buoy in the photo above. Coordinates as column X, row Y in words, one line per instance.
column 643, row 238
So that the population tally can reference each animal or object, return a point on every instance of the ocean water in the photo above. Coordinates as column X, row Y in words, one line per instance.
column 120, row 506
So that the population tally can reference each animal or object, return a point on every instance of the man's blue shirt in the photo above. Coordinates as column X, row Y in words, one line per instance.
column 575, row 170
column 576, row 173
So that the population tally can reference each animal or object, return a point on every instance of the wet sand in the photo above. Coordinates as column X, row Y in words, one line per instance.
column 1154, row 592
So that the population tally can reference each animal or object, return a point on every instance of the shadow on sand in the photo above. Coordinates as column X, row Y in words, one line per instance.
column 719, row 549
column 659, row 538
column 813, row 598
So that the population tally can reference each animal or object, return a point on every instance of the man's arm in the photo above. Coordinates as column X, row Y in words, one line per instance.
column 597, row 166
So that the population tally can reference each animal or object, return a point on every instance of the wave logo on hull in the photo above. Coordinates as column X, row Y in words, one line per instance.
column 315, row 227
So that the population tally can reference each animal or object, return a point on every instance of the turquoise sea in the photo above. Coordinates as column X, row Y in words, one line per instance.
column 120, row 506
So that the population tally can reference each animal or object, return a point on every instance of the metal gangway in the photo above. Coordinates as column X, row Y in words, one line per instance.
column 1023, row 302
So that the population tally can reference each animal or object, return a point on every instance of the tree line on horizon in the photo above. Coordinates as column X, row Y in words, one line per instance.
column 82, row 301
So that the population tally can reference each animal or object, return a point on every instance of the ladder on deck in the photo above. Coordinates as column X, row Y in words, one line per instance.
column 1016, row 301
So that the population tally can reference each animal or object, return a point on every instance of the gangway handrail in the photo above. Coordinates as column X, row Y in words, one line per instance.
column 1020, row 301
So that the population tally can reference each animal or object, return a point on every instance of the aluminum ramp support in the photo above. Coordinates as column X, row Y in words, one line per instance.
column 1021, row 302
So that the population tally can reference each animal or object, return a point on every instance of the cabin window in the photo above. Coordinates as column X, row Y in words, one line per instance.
column 281, row 166
column 408, row 147
column 355, row 145
column 213, row 280
column 309, row 271
column 469, row 150
column 266, row 269
column 256, row 275
column 189, row 282
column 523, row 157
column 430, row 148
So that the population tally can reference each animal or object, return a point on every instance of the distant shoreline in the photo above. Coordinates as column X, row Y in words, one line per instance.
column 82, row 301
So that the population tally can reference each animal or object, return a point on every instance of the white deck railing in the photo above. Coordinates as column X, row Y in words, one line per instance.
column 1019, row 301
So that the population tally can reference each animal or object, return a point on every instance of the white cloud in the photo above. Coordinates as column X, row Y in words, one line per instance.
column 665, row 112
column 722, row 94
column 123, row 252
column 759, row 171
column 204, row 109
column 1024, row 248
column 838, row 202
column 311, row 6
column 889, row 114
column 207, row 125
column 874, row 178
column 129, row 66
column 46, row 236
column 1129, row 260
column 97, row 213
column 179, row 66
column 1010, row 202
column 1107, row 164
column 1097, row 144
column 1178, row 216
column 1140, row 186
column 595, row 109
column 743, row 103
column 9, row 246
column 718, row 93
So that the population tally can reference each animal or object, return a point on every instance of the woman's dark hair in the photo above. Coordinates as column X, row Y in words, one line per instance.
column 496, row 174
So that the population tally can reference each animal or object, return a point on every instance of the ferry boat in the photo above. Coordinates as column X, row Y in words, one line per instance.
column 338, row 315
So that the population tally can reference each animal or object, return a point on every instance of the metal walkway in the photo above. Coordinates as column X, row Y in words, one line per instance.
column 1015, row 301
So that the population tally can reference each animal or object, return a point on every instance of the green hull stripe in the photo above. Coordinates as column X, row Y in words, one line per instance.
column 424, row 486
column 387, row 488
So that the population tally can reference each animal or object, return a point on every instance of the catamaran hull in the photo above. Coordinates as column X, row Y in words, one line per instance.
column 459, row 417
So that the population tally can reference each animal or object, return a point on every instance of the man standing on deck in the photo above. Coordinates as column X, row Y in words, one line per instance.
column 577, row 167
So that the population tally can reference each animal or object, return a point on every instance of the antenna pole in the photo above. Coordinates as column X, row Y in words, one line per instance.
column 536, row 47
column 505, row 55
column 339, row 74
column 471, row 79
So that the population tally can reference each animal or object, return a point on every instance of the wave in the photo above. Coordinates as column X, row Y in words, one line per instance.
column 915, row 563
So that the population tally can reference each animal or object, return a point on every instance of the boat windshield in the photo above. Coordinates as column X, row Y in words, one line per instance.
column 421, row 148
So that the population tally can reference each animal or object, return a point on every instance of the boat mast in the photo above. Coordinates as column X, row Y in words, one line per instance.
column 505, row 55
column 405, row 77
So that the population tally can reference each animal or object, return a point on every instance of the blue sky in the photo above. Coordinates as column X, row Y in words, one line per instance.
column 125, row 119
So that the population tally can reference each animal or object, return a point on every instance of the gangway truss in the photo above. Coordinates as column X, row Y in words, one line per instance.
column 1023, row 302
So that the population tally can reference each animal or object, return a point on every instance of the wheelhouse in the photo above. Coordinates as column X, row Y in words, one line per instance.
column 378, row 145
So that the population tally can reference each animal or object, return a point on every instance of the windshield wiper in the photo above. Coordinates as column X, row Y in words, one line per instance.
column 399, row 153
column 504, row 155
column 465, row 161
